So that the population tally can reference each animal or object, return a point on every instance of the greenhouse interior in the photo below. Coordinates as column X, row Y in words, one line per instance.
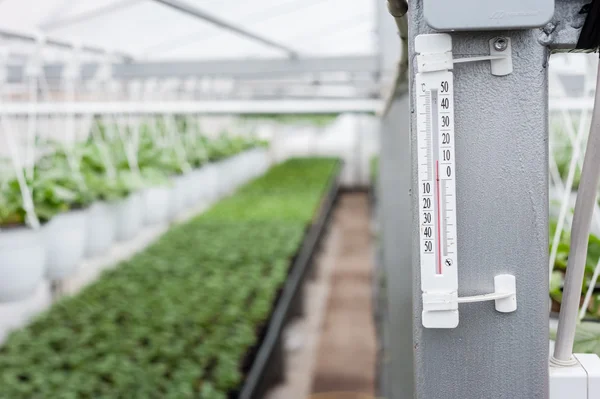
column 208, row 199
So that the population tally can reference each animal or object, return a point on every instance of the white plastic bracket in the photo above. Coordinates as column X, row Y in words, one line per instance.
column 435, row 54
column 440, row 309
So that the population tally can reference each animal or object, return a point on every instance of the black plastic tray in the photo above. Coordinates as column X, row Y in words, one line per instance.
column 268, row 366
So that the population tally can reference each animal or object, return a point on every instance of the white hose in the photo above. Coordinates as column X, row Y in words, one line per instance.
column 582, row 220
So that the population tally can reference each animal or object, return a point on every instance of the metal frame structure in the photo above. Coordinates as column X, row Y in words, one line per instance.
column 8, row 34
column 203, row 15
column 235, row 69
column 253, row 77
column 227, row 107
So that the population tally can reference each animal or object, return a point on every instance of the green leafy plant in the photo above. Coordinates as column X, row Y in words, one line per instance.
column 560, row 267
column 290, row 193
column 178, row 319
column 74, row 177
column 225, row 146
column 54, row 190
column 318, row 120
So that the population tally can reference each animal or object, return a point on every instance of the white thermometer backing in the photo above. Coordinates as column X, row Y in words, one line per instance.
column 434, row 91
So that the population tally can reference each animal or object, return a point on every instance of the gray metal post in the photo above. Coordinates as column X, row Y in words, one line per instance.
column 394, row 285
column 502, row 207
column 395, row 218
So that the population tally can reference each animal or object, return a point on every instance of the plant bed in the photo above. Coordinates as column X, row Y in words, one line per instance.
column 181, row 318
column 264, row 371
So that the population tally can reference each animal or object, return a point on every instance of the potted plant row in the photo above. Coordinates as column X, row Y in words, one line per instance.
column 83, row 211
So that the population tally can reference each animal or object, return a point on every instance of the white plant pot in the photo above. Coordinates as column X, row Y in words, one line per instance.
column 203, row 182
column 254, row 158
column 226, row 176
column 211, row 182
column 191, row 195
column 251, row 168
column 195, row 184
column 261, row 161
column 239, row 169
column 22, row 262
column 101, row 228
column 243, row 168
column 14, row 315
column 180, row 195
column 129, row 216
column 221, row 175
column 255, row 161
column 250, row 165
column 157, row 204
column 65, row 240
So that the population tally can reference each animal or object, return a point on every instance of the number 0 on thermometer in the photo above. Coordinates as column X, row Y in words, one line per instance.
column 437, row 188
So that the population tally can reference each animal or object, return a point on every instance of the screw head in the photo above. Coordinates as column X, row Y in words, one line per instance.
column 500, row 44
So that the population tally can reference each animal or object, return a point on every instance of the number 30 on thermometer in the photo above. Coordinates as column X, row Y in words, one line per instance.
column 437, row 188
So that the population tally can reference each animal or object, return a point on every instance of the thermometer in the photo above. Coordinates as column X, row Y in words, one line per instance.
column 438, row 247
column 434, row 92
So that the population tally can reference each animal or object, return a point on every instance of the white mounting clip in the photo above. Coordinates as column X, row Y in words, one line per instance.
column 435, row 54
column 440, row 309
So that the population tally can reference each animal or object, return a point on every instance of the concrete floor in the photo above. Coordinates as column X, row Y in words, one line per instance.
column 332, row 349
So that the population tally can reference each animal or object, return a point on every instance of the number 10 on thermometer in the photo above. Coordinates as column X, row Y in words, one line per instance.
column 437, row 188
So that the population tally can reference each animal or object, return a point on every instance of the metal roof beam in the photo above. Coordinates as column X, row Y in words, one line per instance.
column 227, row 107
column 8, row 34
column 198, row 13
column 236, row 69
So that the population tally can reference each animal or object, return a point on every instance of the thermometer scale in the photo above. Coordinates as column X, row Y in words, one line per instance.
column 437, row 187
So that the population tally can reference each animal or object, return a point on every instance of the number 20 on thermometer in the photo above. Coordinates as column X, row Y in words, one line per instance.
column 437, row 188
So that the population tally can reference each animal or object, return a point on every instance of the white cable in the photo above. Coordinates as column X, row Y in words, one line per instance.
column 564, row 207
column 555, row 174
column 582, row 219
column 26, row 196
column 26, row 192
column 590, row 291
column 111, row 171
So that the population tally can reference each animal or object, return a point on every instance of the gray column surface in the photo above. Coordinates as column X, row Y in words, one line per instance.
column 395, row 220
column 501, row 126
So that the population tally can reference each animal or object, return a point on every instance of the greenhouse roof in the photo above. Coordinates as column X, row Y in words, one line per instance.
column 153, row 30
